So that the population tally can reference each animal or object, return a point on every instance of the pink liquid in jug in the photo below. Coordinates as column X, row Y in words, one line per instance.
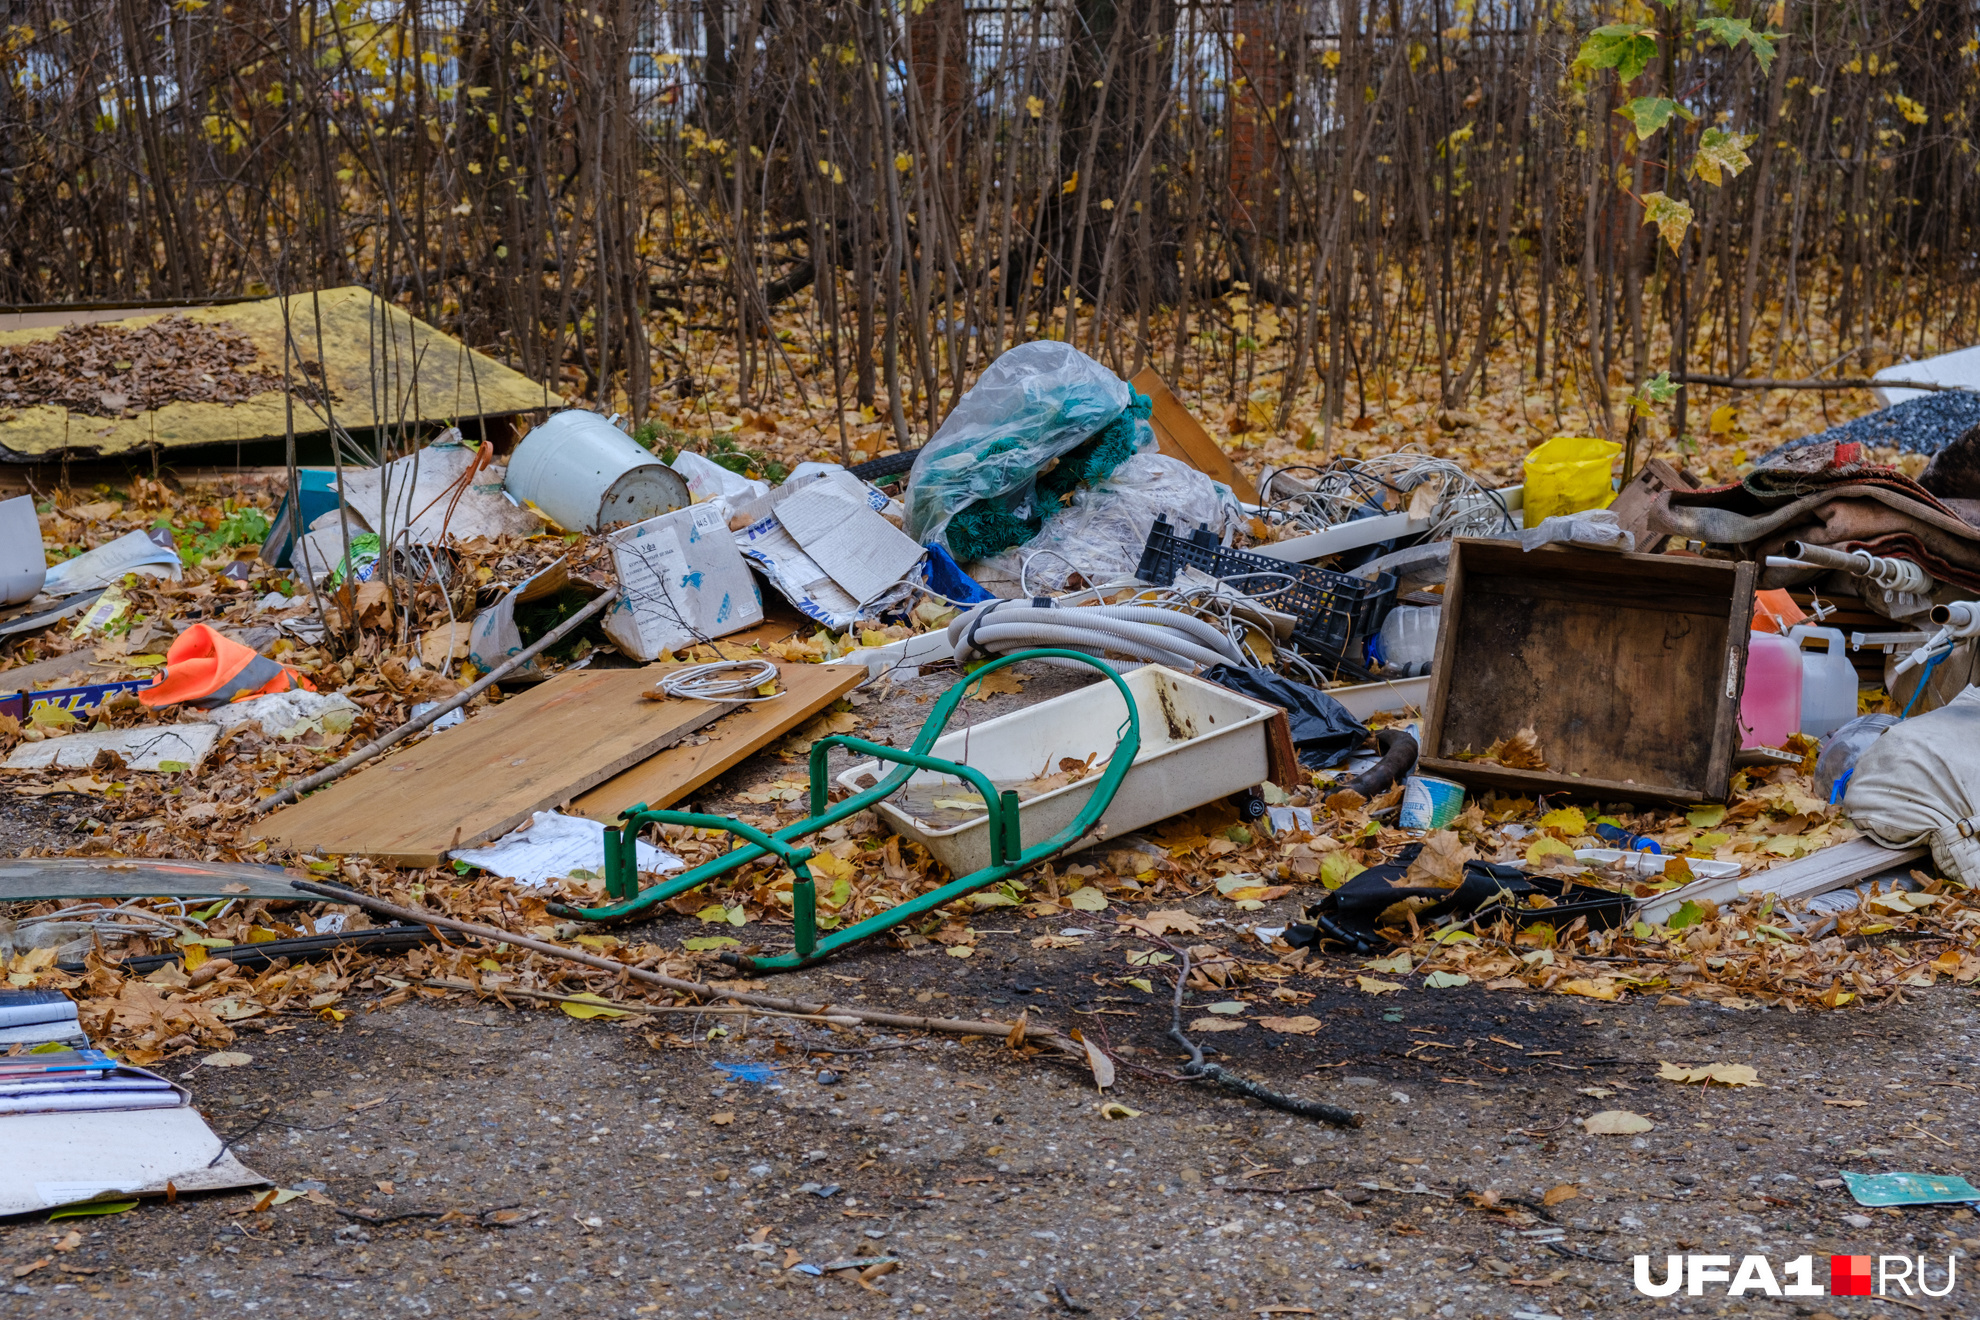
column 1770, row 705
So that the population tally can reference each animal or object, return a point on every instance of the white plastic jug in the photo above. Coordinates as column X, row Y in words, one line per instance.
column 1828, row 680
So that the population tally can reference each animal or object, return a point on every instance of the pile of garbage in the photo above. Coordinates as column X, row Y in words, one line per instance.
column 1584, row 735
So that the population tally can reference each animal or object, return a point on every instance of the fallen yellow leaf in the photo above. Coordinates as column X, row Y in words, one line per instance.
column 1616, row 1123
column 1725, row 1074
column 588, row 1006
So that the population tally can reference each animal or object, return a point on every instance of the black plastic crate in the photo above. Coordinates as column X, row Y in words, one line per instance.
column 1333, row 609
column 1166, row 553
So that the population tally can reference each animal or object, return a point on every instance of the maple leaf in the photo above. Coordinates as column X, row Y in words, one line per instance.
column 1720, row 152
column 1519, row 752
column 1737, row 31
column 1650, row 113
column 1671, row 216
column 1627, row 48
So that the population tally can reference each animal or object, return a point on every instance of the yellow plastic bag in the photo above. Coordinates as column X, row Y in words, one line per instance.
column 1568, row 474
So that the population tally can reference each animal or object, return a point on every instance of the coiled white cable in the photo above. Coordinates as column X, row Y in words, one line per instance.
column 700, row 681
column 1141, row 632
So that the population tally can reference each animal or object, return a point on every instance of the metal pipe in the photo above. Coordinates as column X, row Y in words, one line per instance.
column 1959, row 619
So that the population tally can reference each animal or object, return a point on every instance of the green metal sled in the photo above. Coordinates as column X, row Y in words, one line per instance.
column 1008, row 855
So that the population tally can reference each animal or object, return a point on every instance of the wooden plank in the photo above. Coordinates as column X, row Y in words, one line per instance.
column 670, row 776
column 469, row 784
column 1179, row 435
column 1804, row 877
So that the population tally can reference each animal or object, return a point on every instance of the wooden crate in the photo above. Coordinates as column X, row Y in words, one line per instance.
column 1628, row 667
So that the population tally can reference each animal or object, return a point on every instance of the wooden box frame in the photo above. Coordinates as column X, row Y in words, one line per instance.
column 1628, row 667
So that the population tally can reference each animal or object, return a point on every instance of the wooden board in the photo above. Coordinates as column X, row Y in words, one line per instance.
column 449, row 381
column 1179, row 435
column 1818, row 873
column 663, row 780
column 1632, row 506
column 1628, row 667
column 481, row 779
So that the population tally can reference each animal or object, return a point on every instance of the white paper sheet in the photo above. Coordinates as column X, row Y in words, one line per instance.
column 553, row 845
column 413, row 493
column 151, row 553
column 60, row 1159
column 861, row 551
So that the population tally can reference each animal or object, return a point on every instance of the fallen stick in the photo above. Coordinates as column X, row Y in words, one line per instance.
column 290, row 792
column 496, row 935
column 635, row 1007
column 1844, row 383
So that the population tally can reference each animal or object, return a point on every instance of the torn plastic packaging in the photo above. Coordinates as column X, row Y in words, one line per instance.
column 1349, row 915
column 1323, row 733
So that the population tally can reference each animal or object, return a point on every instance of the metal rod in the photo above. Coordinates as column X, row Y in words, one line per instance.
column 290, row 792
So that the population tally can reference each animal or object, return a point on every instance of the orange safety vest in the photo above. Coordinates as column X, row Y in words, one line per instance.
column 204, row 669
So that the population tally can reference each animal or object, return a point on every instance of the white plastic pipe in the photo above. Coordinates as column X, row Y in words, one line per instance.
column 1143, row 632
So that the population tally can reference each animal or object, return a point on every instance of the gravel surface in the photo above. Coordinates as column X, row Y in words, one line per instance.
column 1917, row 426
column 553, row 1167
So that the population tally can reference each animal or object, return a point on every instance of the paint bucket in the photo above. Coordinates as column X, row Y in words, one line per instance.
column 22, row 564
column 587, row 474
column 1429, row 803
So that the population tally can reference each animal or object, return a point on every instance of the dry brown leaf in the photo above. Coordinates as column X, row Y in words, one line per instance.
column 1165, row 920
column 1519, row 752
column 1006, row 680
column 1559, row 1193
column 1441, row 861
column 1291, row 1026
column 1102, row 1066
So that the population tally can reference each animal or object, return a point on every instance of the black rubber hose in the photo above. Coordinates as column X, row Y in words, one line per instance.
column 1399, row 752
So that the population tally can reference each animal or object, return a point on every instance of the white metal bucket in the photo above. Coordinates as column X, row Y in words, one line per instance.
column 22, row 565
column 587, row 474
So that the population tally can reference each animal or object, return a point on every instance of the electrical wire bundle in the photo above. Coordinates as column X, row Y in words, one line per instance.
column 1351, row 488
column 702, row 682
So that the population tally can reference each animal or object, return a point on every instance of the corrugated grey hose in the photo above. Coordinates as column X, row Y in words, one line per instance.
column 1142, row 632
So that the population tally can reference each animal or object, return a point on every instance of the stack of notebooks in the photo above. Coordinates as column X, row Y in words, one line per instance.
column 80, row 1081
column 39, row 1017
column 78, row 1126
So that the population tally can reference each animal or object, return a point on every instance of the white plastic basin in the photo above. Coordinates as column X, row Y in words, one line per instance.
column 1199, row 742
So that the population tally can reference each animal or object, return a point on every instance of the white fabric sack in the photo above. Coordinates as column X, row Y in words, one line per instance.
column 1920, row 783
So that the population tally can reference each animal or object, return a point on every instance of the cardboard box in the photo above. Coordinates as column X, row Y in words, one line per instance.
column 682, row 581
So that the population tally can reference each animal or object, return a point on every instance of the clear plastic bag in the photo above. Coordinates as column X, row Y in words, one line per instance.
column 1031, row 405
column 1102, row 533
column 1841, row 748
